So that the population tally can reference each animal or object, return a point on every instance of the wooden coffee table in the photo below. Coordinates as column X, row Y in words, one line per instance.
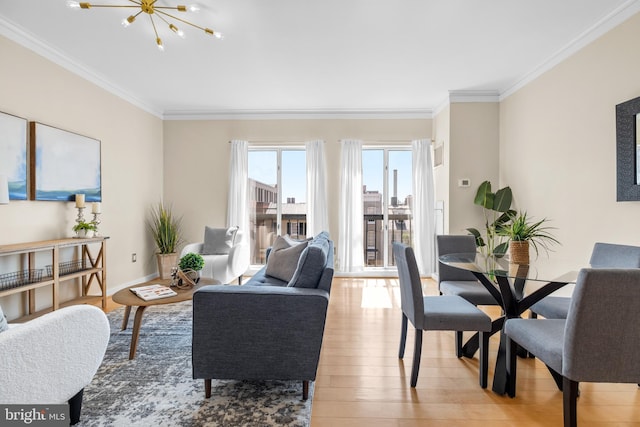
column 129, row 299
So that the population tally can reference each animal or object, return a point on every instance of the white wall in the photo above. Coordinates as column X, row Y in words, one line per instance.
column 132, row 170
column 197, row 157
column 469, row 132
column 558, row 145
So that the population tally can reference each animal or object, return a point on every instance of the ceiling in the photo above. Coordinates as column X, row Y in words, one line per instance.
column 325, row 57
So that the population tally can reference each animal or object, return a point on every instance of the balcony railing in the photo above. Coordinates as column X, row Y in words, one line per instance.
column 400, row 229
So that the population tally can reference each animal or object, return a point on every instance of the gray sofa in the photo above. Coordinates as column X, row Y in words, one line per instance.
column 268, row 328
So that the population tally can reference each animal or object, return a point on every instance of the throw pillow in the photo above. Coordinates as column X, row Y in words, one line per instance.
column 218, row 241
column 283, row 258
column 311, row 264
column 3, row 322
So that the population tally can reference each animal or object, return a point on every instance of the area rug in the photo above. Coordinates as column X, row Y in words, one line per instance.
column 157, row 388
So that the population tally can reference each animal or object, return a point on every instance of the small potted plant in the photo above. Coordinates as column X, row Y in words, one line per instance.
column 523, row 233
column 191, row 264
column 85, row 229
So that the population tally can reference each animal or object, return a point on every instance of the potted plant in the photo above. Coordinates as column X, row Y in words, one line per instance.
column 497, row 211
column 523, row 233
column 166, row 229
column 191, row 264
column 85, row 229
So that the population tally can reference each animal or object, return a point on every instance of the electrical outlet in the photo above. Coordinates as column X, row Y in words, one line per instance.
column 133, row 258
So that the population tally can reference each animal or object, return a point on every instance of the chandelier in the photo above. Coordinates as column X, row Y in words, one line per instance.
column 151, row 9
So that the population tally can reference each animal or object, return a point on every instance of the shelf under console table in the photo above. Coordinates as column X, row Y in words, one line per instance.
column 88, row 266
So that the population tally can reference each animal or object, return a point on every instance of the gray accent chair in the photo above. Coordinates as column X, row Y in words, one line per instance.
column 431, row 313
column 266, row 329
column 454, row 281
column 597, row 342
column 604, row 255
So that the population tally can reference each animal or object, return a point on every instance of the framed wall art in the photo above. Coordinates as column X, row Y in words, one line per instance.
column 13, row 154
column 63, row 164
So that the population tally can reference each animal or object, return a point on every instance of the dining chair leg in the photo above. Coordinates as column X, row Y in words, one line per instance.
column 512, row 356
column 417, row 352
column 459, row 344
column 484, row 358
column 403, row 336
column 569, row 397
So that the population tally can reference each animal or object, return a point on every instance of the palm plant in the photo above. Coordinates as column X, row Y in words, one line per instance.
column 165, row 228
column 496, row 208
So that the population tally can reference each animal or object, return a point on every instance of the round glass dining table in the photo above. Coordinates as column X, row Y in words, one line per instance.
column 506, row 282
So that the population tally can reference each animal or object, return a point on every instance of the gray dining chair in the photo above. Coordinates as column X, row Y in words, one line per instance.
column 430, row 313
column 597, row 342
column 454, row 281
column 604, row 255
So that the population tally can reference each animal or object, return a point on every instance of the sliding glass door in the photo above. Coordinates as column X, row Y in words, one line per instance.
column 277, row 197
column 387, row 186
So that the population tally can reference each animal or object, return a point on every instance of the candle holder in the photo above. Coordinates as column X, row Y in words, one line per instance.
column 80, row 217
column 96, row 221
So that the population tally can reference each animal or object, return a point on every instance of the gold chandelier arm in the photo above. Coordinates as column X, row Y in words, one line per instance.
column 90, row 5
column 206, row 30
column 153, row 24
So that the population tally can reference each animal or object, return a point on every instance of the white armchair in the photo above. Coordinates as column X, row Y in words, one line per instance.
column 225, row 267
column 49, row 360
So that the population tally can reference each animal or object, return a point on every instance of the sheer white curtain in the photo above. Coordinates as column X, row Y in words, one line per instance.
column 237, row 208
column 423, row 206
column 317, row 213
column 350, row 249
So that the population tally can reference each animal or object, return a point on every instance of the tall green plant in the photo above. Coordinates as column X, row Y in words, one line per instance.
column 165, row 228
column 497, row 212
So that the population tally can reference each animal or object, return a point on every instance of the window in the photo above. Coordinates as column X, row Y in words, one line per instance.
column 277, row 197
column 386, row 179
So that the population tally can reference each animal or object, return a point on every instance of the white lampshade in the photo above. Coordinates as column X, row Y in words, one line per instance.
column 4, row 190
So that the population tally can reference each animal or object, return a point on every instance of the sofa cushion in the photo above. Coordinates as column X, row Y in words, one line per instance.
column 311, row 264
column 283, row 258
column 218, row 241
column 3, row 322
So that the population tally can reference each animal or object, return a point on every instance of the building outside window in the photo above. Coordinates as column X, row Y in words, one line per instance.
column 277, row 189
column 386, row 202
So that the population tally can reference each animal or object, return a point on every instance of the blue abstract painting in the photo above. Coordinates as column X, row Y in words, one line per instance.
column 65, row 164
column 13, row 154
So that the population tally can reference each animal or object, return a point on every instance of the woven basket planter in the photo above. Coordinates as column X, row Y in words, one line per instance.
column 519, row 252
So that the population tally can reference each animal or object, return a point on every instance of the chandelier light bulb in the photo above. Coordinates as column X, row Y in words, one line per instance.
column 176, row 30
column 73, row 4
column 128, row 21
column 159, row 43
column 194, row 8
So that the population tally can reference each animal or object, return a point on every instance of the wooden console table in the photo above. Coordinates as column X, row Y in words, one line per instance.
column 86, row 266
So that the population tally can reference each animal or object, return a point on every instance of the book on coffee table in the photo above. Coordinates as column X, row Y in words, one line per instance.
column 152, row 292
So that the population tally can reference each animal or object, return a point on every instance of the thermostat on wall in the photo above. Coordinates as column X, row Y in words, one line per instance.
column 464, row 182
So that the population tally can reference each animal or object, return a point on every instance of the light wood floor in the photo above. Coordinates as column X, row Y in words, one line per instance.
column 361, row 381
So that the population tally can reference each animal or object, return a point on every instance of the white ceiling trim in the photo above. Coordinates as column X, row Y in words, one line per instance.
column 26, row 39
column 613, row 19
column 473, row 96
column 462, row 96
column 298, row 114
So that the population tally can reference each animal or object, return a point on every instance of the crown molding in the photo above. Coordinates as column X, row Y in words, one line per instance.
column 26, row 39
column 320, row 114
column 463, row 96
column 473, row 96
column 607, row 23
